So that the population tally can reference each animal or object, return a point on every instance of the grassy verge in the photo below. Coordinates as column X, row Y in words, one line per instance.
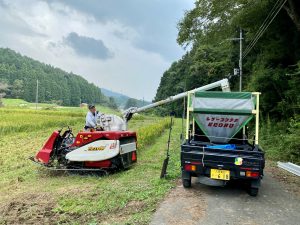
column 281, row 140
column 13, row 102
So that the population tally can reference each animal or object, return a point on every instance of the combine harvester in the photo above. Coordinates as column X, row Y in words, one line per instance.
column 211, row 149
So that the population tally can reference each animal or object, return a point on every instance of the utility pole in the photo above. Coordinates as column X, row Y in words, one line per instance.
column 241, row 55
column 37, row 94
column 240, row 66
column 241, row 71
column 241, row 58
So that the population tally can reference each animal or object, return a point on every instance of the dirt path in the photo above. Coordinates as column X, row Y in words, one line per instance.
column 277, row 203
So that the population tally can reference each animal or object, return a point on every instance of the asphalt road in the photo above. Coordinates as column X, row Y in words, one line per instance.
column 231, row 205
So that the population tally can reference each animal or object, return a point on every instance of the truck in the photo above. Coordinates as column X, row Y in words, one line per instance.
column 217, row 146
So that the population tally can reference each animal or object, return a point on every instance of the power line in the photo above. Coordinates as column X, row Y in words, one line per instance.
column 263, row 29
column 263, row 25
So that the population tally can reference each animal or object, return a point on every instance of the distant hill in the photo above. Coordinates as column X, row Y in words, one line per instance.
column 122, row 99
column 110, row 93
column 20, row 74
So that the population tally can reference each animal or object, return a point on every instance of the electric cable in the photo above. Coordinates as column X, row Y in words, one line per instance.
column 264, row 23
column 261, row 32
column 263, row 26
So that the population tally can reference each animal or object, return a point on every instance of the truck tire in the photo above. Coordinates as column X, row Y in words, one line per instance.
column 186, row 179
column 254, row 186
column 186, row 183
column 253, row 191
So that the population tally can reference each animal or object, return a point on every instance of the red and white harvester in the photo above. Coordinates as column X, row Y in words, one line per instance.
column 110, row 146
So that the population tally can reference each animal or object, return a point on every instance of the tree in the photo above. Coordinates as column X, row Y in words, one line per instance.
column 293, row 10
column 3, row 89
column 55, row 85
column 17, row 88
column 270, row 67
column 112, row 103
column 131, row 102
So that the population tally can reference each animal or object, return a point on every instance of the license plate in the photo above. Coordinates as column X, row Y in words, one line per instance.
column 220, row 174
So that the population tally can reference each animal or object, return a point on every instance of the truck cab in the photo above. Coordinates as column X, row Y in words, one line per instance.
column 218, row 146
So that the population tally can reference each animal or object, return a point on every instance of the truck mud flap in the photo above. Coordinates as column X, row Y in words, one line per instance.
column 255, row 183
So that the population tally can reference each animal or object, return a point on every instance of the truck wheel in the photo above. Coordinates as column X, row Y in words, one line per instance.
column 186, row 180
column 253, row 187
column 253, row 191
column 186, row 183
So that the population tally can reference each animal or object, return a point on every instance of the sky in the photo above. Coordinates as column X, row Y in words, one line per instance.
column 124, row 46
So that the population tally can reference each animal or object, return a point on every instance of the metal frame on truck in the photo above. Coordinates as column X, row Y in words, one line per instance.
column 190, row 109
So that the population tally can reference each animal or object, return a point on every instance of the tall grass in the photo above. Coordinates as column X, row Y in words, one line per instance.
column 13, row 120
column 148, row 134
column 24, row 112
column 281, row 140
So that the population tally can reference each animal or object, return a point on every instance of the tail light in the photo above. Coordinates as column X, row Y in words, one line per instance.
column 252, row 174
column 189, row 167
column 133, row 156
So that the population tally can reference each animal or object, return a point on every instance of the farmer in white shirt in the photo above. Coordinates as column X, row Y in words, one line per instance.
column 91, row 118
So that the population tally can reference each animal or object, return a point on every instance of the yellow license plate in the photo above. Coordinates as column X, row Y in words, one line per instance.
column 220, row 174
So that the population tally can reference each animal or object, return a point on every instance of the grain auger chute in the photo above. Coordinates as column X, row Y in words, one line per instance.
column 223, row 84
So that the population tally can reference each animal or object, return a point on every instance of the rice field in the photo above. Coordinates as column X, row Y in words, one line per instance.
column 30, row 194
column 18, row 116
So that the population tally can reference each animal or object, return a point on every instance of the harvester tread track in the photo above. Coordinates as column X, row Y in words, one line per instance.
column 66, row 169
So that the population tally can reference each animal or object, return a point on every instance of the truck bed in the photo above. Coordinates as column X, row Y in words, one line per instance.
column 205, row 159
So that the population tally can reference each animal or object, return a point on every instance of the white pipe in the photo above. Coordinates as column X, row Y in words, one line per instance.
column 224, row 84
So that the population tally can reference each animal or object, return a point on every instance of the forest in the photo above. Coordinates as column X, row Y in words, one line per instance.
column 271, row 62
column 19, row 75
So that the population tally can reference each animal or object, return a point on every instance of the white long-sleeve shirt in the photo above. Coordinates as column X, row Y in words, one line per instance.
column 91, row 119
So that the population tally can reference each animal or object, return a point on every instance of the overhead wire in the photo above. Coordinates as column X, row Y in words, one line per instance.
column 264, row 26
column 264, row 23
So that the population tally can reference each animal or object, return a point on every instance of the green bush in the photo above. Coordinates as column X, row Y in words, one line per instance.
column 281, row 140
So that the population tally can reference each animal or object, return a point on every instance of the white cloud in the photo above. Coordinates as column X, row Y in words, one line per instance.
column 38, row 28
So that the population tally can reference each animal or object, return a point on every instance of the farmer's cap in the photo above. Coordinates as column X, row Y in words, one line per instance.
column 91, row 106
